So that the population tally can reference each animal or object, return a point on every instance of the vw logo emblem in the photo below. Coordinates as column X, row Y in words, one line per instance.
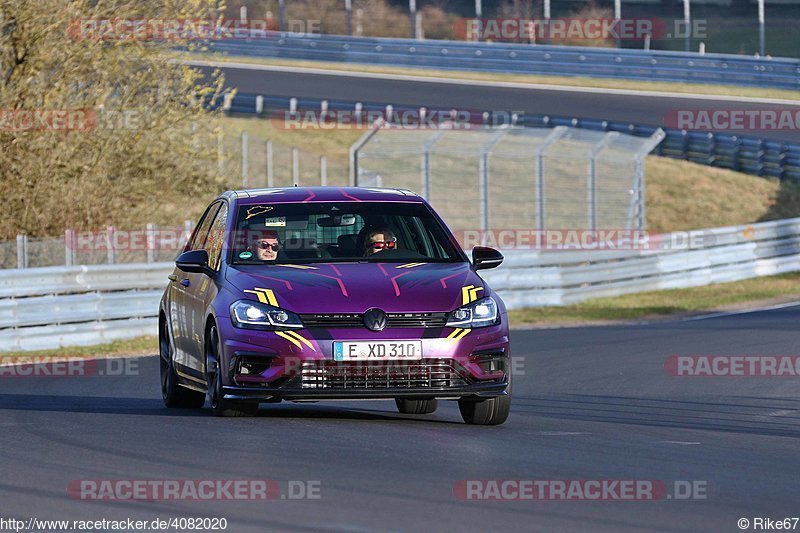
column 375, row 319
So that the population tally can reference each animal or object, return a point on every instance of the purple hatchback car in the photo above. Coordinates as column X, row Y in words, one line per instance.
column 307, row 294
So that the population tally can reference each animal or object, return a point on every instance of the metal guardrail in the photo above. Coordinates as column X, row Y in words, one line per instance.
column 66, row 306
column 655, row 65
column 728, row 254
column 750, row 155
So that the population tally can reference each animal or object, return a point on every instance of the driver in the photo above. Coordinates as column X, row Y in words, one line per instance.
column 265, row 245
column 379, row 239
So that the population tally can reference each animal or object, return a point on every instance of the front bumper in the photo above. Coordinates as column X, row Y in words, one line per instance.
column 273, row 366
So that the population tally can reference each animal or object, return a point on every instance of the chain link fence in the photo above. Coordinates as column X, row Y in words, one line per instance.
column 493, row 178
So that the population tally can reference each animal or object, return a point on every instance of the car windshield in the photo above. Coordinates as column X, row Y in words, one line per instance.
column 340, row 232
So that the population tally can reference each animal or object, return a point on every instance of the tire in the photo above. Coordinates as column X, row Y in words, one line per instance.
column 172, row 393
column 488, row 412
column 219, row 405
column 416, row 407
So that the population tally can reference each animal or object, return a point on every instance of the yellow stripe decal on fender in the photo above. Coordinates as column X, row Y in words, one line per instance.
column 469, row 294
column 454, row 333
column 463, row 334
column 288, row 338
column 301, row 339
column 265, row 296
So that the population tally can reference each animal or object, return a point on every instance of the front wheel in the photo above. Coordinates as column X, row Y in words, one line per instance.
column 488, row 412
column 416, row 407
column 219, row 405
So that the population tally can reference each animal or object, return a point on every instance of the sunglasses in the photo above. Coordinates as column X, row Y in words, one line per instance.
column 380, row 245
column 267, row 246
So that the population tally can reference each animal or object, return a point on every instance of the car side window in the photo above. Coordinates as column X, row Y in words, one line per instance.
column 199, row 238
column 216, row 237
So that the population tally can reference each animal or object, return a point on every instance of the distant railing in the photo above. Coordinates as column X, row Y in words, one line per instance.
column 728, row 69
column 45, row 308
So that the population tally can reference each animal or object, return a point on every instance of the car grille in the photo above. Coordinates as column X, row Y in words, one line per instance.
column 393, row 320
column 332, row 375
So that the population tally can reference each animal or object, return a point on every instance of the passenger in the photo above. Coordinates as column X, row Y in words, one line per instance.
column 379, row 239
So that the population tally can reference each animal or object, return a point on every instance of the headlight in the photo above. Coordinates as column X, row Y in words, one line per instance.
column 255, row 315
column 475, row 315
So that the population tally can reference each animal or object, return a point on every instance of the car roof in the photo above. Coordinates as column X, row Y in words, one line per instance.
column 278, row 195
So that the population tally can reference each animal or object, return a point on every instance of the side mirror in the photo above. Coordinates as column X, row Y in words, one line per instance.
column 483, row 258
column 193, row 261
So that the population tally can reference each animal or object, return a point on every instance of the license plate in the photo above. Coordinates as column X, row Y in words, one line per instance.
column 377, row 351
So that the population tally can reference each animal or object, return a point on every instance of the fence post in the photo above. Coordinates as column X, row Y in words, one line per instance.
column 22, row 251
column 221, row 152
column 557, row 133
column 69, row 247
column 295, row 166
column 425, row 163
column 323, row 171
column 591, row 184
column 151, row 243
column 270, row 166
column 356, row 148
column 483, row 172
column 112, row 256
column 244, row 159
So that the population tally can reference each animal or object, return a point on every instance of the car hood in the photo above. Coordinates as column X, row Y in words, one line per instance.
column 356, row 287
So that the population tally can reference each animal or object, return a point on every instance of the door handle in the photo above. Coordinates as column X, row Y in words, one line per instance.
column 185, row 282
column 172, row 277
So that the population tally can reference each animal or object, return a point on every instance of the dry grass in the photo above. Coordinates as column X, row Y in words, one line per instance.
column 658, row 304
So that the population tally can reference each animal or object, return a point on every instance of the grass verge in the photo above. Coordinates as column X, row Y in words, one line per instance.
column 129, row 347
column 661, row 304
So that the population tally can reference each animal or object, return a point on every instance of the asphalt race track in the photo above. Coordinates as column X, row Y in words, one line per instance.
column 602, row 105
column 589, row 403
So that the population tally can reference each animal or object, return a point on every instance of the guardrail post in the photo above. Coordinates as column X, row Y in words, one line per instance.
column 69, row 247
column 295, row 166
column 323, row 171
column 259, row 104
column 244, row 159
column 112, row 256
column 22, row 251
column 151, row 242
column 270, row 166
